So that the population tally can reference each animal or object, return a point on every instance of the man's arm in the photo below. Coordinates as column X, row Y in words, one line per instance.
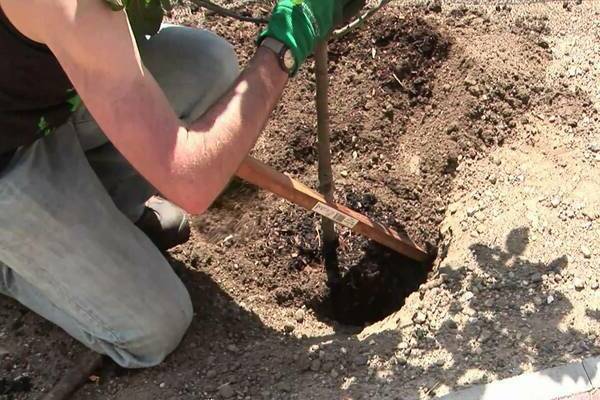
column 190, row 165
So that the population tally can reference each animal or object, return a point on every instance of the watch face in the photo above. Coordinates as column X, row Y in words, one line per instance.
column 288, row 60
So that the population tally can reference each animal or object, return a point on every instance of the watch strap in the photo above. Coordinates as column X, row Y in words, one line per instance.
column 279, row 48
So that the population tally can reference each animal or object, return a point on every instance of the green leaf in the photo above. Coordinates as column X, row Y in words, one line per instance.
column 74, row 102
column 43, row 128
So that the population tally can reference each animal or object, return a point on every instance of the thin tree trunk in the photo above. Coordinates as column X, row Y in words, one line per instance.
column 326, row 183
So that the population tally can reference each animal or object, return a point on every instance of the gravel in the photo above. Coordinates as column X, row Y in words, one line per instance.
column 226, row 391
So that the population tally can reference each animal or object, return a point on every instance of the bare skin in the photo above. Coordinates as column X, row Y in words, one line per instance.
column 190, row 165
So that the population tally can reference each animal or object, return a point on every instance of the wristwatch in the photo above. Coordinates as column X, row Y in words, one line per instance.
column 286, row 58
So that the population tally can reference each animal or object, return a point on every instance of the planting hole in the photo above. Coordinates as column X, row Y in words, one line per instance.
column 373, row 288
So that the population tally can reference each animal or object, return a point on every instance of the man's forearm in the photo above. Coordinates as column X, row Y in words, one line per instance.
column 214, row 146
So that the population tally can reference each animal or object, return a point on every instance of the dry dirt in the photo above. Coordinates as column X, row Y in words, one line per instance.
column 473, row 129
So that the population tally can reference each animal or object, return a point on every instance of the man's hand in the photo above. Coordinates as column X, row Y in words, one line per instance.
column 300, row 24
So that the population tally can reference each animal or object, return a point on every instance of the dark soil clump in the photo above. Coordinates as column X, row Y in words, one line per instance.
column 10, row 387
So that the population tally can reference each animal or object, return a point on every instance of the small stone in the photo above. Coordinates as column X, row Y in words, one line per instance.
column 587, row 253
column 440, row 363
column 493, row 179
column 327, row 367
column 162, row 385
column 304, row 363
column 453, row 208
column 543, row 44
column 226, row 391
column 288, row 328
column 538, row 301
column 469, row 311
column 419, row 318
column 211, row 374
column 299, row 315
column 470, row 81
column 453, row 127
column 578, row 284
column 360, row 360
column 435, row 6
column 550, row 299
column 232, row 348
column 315, row 365
column 485, row 336
column 594, row 147
column 285, row 387
column 467, row 296
column 401, row 360
column 344, row 173
column 555, row 201
column 536, row 277
column 594, row 285
column 471, row 211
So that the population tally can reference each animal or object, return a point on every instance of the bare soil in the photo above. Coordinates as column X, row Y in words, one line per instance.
column 421, row 97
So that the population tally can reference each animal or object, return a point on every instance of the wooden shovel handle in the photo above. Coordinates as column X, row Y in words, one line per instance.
column 267, row 178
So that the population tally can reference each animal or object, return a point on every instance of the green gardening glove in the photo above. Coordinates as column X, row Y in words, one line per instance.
column 300, row 24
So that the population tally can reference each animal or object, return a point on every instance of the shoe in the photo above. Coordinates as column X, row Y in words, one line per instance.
column 164, row 223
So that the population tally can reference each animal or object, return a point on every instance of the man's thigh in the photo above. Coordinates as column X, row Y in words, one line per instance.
column 78, row 261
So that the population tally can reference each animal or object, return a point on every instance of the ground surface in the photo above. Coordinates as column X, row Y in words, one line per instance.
column 583, row 396
column 476, row 131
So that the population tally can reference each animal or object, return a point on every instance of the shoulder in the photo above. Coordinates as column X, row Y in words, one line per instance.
column 40, row 20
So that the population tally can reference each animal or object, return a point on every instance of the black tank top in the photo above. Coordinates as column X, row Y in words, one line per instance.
column 34, row 89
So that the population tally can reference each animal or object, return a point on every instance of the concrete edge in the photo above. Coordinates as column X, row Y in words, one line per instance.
column 549, row 384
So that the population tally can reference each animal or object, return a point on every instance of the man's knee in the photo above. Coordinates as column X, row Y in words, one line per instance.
column 157, row 333
column 163, row 337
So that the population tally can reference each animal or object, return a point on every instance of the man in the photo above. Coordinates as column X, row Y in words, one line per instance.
column 75, row 222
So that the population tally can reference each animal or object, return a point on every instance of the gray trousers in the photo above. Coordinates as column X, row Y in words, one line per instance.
column 68, row 247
